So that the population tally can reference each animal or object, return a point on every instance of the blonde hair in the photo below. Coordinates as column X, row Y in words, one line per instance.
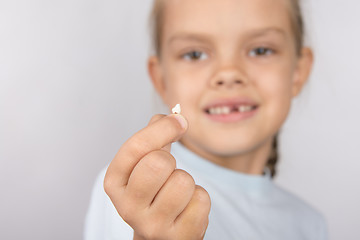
column 297, row 25
column 156, row 24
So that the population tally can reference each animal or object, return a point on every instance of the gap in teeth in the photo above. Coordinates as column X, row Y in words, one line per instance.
column 227, row 110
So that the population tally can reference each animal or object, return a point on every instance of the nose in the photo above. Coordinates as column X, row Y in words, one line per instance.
column 228, row 77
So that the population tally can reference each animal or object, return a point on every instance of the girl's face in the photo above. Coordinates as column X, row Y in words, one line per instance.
column 233, row 67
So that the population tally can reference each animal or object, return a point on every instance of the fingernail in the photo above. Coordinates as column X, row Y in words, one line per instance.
column 181, row 120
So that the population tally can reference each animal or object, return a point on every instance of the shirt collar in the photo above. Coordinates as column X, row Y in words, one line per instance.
column 216, row 173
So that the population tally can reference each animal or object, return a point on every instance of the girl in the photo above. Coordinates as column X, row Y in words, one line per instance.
column 234, row 65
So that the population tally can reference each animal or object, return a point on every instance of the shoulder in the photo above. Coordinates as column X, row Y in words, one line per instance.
column 309, row 219
column 290, row 200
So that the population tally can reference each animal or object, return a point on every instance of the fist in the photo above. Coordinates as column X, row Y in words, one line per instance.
column 157, row 200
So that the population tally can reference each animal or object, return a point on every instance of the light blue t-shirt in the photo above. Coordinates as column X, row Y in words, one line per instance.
column 243, row 207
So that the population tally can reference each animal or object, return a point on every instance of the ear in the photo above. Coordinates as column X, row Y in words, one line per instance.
column 303, row 70
column 156, row 75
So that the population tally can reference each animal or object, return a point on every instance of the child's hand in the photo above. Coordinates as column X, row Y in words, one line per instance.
column 157, row 200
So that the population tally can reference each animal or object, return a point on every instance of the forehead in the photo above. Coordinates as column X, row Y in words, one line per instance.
column 225, row 17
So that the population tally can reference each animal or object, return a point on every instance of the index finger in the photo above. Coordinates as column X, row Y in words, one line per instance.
column 153, row 137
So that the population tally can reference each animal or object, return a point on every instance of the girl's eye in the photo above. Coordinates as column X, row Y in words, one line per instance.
column 261, row 51
column 195, row 56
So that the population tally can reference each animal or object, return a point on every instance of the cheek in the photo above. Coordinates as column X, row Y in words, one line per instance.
column 183, row 90
column 183, row 85
column 279, row 99
column 274, row 80
column 275, row 89
column 279, row 89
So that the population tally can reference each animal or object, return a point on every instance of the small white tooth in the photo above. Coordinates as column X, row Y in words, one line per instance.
column 226, row 110
column 212, row 111
column 218, row 110
column 222, row 110
column 245, row 108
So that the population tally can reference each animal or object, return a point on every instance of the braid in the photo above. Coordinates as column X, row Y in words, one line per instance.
column 273, row 158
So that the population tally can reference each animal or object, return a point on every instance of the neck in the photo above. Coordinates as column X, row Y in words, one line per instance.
column 251, row 162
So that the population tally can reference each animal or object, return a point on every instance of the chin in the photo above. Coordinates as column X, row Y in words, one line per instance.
column 225, row 148
column 228, row 150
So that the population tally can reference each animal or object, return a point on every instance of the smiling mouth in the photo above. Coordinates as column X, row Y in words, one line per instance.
column 230, row 109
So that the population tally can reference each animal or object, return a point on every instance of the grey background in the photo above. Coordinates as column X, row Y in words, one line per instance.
column 74, row 87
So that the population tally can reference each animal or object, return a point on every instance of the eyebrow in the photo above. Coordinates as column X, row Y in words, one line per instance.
column 189, row 37
column 264, row 31
column 205, row 38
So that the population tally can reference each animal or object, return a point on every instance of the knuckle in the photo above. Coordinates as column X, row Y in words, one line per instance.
column 160, row 161
column 183, row 179
column 202, row 196
column 108, row 185
column 138, row 144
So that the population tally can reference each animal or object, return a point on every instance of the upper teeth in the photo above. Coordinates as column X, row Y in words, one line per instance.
column 227, row 110
column 244, row 108
column 220, row 110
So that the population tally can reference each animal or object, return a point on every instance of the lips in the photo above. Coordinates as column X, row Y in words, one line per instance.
column 230, row 110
